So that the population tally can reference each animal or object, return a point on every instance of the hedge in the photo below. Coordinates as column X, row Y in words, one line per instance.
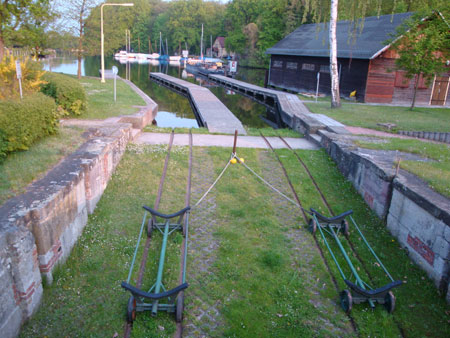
column 67, row 92
column 22, row 122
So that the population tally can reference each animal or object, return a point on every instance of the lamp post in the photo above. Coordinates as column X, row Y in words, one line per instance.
column 101, row 32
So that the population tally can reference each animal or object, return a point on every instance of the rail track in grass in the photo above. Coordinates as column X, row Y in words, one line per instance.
column 174, row 296
column 328, row 207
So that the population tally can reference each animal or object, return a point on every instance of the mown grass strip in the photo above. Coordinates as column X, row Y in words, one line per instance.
column 420, row 310
column 368, row 116
column 101, row 103
column 23, row 167
column 436, row 173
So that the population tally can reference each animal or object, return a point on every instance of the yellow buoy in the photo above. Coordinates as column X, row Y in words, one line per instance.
column 241, row 159
column 233, row 161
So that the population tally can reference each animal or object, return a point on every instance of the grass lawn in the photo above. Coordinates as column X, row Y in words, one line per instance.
column 436, row 173
column 23, row 167
column 101, row 103
column 264, row 283
column 359, row 115
column 250, row 131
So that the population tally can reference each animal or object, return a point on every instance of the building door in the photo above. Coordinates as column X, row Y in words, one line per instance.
column 440, row 89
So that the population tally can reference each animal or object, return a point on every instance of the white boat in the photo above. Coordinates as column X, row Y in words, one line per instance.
column 141, row 56
column 153, row 56
column 131, row 55
column 175, row 58
column 121, row 54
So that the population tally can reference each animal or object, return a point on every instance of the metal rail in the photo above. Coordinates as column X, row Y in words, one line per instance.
column 333, row 277
column 327, row 205
column 166, row 229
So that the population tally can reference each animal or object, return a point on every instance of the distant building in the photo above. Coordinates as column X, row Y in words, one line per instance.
column 366, row 64
column 219, row 48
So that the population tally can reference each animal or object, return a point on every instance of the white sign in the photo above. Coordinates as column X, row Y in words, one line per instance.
column 18, row 70
column 115, row 70
column 185, row 53
column 233, row 66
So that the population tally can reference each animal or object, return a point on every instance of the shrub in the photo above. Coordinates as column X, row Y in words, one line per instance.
column 31, row 77
column 23, row 122
column 67, row 92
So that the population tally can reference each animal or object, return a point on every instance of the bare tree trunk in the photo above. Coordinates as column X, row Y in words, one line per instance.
column 416, row 85
column 79, row 55
column 335, row 97
column 2, row 47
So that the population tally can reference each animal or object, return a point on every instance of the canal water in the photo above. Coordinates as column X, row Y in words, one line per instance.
column 174, row 109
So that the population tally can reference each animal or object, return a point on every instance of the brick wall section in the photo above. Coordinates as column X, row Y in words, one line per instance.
column 416, row 215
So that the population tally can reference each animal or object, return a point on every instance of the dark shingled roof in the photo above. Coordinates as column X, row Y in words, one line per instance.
column 312, row 39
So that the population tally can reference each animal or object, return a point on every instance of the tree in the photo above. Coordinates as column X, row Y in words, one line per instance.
column 76, row 12
column 21, row 14
column 423, row 47
column 335, row 97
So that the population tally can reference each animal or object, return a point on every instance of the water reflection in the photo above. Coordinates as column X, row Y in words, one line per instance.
column 175, row 110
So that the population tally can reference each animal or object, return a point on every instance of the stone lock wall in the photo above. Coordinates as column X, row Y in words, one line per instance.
column 39, row 228
column 415, row 214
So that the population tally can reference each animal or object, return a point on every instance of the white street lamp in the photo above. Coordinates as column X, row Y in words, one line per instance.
column 101, row 32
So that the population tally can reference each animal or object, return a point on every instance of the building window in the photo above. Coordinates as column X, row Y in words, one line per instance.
column 308, row 66
column 324, row 68
column 277, row 64
column 291, row 65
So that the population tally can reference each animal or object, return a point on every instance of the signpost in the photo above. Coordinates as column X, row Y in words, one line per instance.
column 317, row 88
column 233, row 66
column 115, row 70
column 19, row 76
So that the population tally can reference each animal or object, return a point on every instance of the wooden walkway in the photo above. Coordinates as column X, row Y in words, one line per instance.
column 209, row 110
column 287, row 105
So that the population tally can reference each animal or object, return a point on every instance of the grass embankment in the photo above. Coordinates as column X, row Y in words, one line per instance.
column 360, row 115
column 419, row 309
column 23, row 167
column 250, row 131
column 101, row 103
column 436, row 173
column 259, row 277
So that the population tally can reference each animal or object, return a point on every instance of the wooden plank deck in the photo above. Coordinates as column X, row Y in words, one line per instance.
column 212, row 113
column 288, row 105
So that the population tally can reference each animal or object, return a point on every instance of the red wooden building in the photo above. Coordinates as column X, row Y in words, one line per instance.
column 366, row 63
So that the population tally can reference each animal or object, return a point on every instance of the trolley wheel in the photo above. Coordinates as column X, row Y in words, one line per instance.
column 346, row 301
column 179, row 308
column 131, row 310
column 389, row 302
column 344, row 228
column 312, row 226
column 150, row 228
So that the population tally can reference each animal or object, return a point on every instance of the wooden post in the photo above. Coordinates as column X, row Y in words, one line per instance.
column 235, row 141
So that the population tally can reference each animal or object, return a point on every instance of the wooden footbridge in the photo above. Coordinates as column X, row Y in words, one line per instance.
column 285, row 106
column 208, row 109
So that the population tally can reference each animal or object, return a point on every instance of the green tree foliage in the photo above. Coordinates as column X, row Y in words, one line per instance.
column 249, row 26
column 423, row 47
column 23, row 21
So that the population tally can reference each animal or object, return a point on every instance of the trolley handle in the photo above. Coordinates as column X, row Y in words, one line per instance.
column 334, row 219
column 140, row 293
column 156, row 213
column 371, row 293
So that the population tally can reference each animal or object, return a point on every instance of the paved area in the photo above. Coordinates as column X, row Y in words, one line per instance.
column 373, row 132
column 224, row 141
column 304, row 252
column 211, row 111
column 202, row 315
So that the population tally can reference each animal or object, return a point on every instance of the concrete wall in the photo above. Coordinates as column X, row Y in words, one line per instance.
column 39, row 228
column 416, row 215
